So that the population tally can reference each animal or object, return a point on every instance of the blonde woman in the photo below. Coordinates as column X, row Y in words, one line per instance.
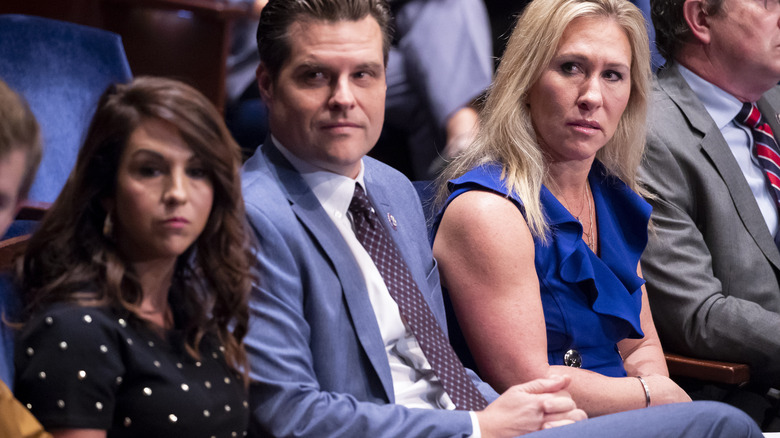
column 543, row 224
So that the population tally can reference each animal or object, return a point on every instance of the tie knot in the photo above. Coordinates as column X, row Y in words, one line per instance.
column 360, row 205
column 749, row 115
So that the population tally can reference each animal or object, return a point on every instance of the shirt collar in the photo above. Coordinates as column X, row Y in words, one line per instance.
column 721, row 106
column 334, row 191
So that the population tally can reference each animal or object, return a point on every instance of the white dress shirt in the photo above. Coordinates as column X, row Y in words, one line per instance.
column 415, row 385
column 723, row 107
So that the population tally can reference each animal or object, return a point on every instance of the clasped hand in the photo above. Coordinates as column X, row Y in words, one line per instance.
column 529, row 407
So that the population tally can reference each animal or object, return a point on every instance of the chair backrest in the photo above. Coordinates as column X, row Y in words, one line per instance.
column 426, row 190
column 61, row 69
column 10, row 301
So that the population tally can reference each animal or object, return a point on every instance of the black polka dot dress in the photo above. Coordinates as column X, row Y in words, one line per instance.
column 87, row 368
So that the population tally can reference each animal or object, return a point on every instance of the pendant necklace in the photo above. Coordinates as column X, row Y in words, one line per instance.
column 589, row 234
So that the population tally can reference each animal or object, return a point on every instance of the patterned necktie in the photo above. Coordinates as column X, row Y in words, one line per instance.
column 765, row 147
column 412, row 306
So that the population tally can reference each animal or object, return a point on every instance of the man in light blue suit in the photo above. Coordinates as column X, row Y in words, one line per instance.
column 330, row 353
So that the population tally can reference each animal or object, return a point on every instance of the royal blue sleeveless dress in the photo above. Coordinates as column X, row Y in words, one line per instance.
column 590, row 302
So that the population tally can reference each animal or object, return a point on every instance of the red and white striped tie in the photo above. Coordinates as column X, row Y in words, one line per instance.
column 765, row 148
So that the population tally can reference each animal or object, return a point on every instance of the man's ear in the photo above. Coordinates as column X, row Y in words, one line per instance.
column 265, row 83
column 698, row 20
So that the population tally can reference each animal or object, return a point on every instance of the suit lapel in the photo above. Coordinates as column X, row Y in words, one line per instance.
column 715, row 148
column 380, row 196
column 394, row 217
column 309, row 211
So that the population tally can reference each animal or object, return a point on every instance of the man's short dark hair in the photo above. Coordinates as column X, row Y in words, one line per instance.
column 19, row 131
column 273, row 41
column 671, row 29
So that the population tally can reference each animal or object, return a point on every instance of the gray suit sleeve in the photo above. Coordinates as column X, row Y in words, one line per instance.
column 699, row 307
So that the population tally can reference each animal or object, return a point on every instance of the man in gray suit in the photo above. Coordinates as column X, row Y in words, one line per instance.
column 713, row 266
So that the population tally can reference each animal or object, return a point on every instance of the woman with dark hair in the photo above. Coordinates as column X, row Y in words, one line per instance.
column 136, row 282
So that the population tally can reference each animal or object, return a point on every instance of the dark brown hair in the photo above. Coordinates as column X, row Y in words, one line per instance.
column 19, row 131
column 70, row 259
column 671, row 29
column 273, row 40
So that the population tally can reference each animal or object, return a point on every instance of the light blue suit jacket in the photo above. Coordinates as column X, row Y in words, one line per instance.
column 317, row 356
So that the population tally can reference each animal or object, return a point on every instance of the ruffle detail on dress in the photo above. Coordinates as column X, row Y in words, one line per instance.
column 610, row 283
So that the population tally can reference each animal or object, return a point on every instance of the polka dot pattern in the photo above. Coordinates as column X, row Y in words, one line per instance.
column 412, row 306
column 88, row 364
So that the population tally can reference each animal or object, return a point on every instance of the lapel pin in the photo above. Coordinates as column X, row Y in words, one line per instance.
column 392, row 221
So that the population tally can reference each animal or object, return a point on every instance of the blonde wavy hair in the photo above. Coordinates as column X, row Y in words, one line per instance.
column 507, row 136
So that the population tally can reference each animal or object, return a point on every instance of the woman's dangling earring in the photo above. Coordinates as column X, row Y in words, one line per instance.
column 108, row 226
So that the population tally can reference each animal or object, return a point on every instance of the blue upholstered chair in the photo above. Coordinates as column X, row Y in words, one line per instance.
column 61, row 69
column 10, row 304
column 426, row 190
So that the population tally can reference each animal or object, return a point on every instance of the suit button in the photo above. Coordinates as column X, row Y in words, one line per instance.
column 572, row 358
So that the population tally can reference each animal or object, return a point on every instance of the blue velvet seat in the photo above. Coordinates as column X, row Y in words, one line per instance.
column 61, row 69
column 426, row 190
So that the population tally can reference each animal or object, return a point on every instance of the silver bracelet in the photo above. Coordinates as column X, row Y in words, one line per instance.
column 647, row 391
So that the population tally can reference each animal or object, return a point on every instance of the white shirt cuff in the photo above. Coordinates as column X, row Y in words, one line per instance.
column 475, row 431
